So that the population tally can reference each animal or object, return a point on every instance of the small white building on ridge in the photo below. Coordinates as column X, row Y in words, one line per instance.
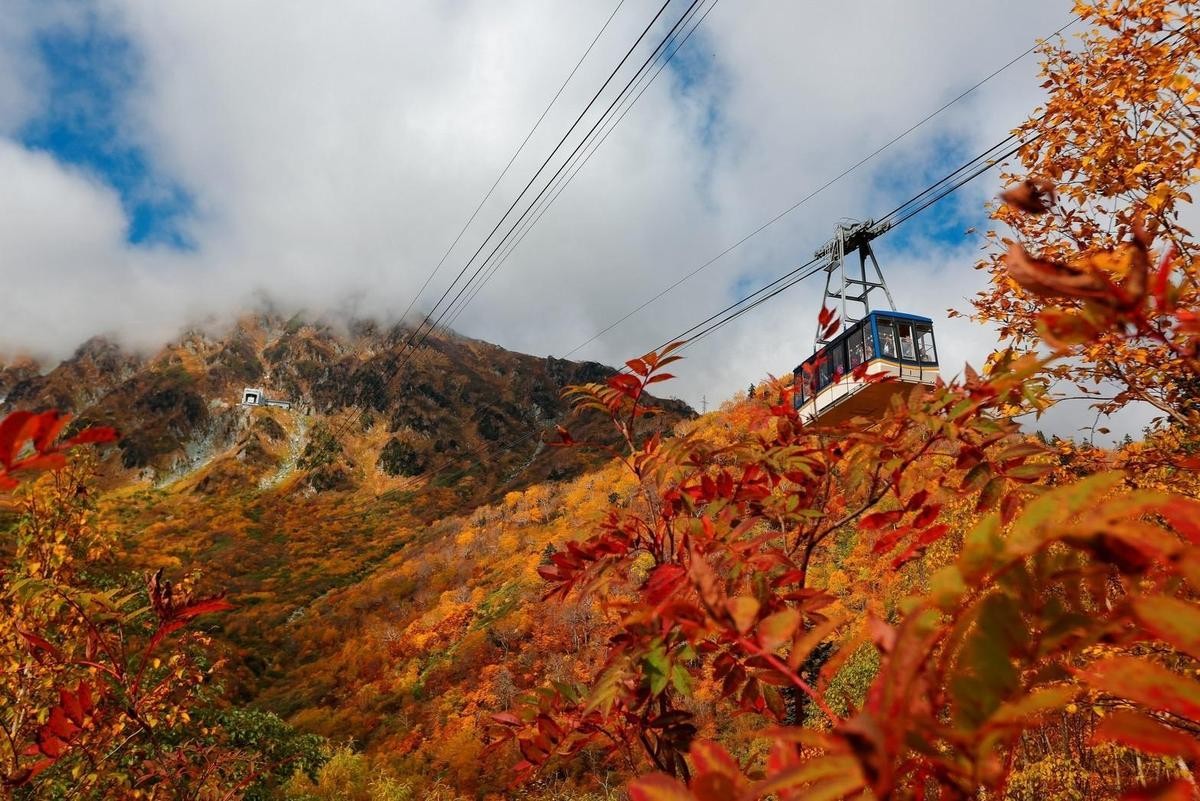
column 254, row 396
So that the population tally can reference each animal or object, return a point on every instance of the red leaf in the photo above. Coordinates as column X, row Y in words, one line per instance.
column 878, row 520
column 888, row 541
column 1146, row 734
column 564, row 436
column 1171, row 620
column 1032, row 196
column 50, row 745
column 662, row 582
column 506, row 718
column 60, row 725
column 1146, row 683
column 531, row 752
column 202, row 607
column 916, row 500
column 13, row 435
column 70, row 704
column 926, row 516
column 1163, row 275
column 47, row 461
column 40, row 643
column 919, row 544
column 622, row 380
column 709, row 757
column 84, row 692
column 1184, row 516
column 49, row 425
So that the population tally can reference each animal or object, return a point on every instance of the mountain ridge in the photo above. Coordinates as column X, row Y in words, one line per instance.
column 279, row 508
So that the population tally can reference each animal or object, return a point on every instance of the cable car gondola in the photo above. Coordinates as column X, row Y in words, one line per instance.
column 889, row 342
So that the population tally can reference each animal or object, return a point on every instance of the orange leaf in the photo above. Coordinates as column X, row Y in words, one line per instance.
column 658, row 787
column 778, row 628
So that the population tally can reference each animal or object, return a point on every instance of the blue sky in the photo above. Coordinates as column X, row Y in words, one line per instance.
column 91, row 71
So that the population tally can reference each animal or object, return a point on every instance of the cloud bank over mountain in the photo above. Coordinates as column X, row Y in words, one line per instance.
column 322, row 156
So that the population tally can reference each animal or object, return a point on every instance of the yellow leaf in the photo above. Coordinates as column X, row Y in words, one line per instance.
column 1158, row 198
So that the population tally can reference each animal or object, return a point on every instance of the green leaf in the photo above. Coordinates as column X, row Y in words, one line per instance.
column 988, row 675
column 946, row 587
column 657, row 668
column 990, row 495
column 982, row 548
column 1021, row 449
column 1146, row 683
column 1028, row 471
column 976, row 477
column 1033, row 527
column 681, row 680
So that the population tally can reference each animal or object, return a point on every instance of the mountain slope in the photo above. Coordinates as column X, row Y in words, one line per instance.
column 281, row 507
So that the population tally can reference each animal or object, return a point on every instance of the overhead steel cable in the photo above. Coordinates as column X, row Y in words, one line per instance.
column 764, row 226
column 820, row 189
column 407, row 346
column 977, row 170
column 714, row 322
column 520, row 148
column 565, row 180
column 719, row 321
column 649, row 60
column 516, row 202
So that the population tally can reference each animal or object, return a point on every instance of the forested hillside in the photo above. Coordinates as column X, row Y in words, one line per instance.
column 478, row 574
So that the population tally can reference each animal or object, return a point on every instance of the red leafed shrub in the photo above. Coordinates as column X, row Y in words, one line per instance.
column 1002, row 590
column 97, row 679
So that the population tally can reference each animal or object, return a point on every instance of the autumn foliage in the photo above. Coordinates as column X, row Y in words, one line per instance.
column 933, row 602
column 1059, row 588
column 100, row 682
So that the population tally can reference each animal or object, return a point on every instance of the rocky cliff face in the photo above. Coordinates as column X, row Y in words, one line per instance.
column 360, row 409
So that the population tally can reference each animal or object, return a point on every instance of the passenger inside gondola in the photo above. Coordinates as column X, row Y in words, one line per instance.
column 925, row 344
column 907, row 351
column 887, row 339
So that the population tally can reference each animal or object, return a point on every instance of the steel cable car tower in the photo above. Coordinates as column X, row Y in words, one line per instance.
column 830, row 384
column 851, row 239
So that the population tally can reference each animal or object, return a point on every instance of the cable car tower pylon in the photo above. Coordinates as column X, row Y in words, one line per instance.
column 840, row 284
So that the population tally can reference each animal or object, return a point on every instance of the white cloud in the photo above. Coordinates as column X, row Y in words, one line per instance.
column 333, row 151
